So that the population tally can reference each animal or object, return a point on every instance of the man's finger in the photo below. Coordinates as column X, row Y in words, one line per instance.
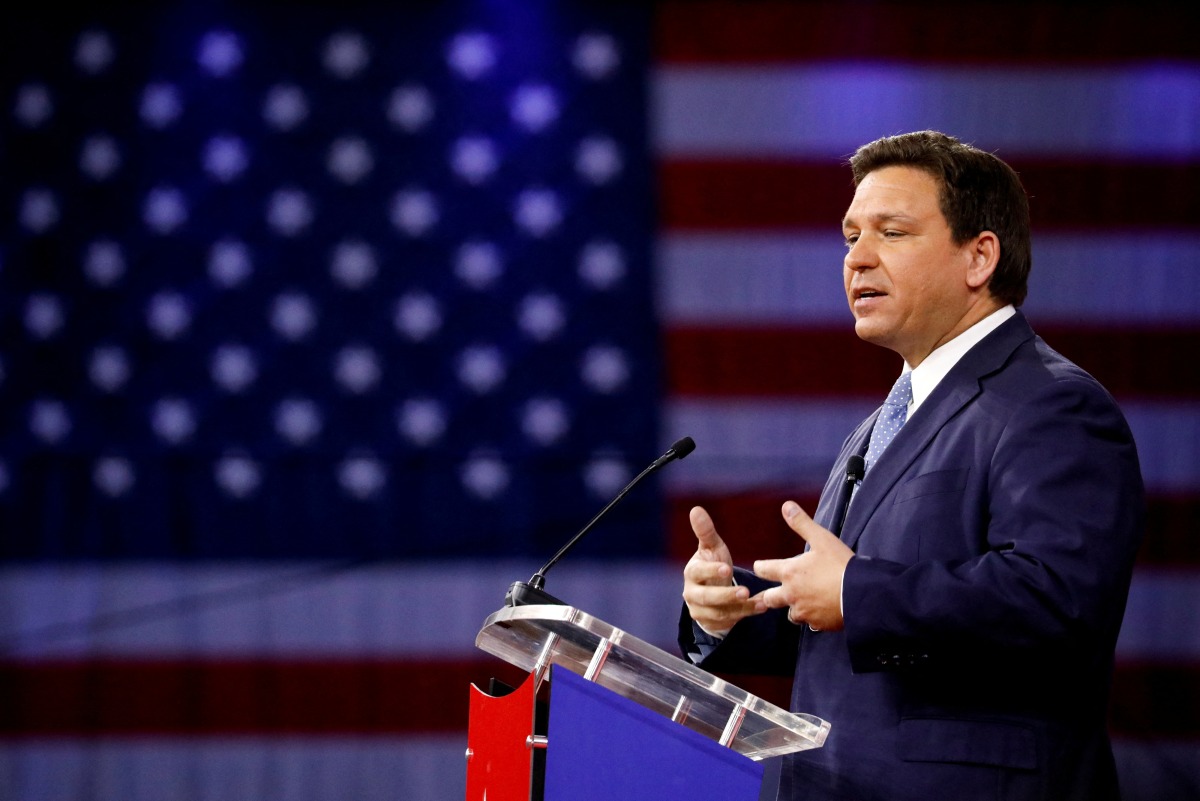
column 705, row 572
column 710, row 596
column 799, row 521
column 702, row 525
column 723, row 604
column 770, row 569
column 772, row 598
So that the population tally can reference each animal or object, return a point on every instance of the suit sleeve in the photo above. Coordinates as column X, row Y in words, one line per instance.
column 1058, row 518
column 760, row 645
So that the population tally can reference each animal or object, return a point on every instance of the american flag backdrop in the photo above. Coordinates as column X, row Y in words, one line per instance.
column 321, row 323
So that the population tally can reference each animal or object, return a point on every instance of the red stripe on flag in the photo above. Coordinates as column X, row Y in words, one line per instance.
column 1014, row 33
column 757, row 516
column 128, row 697
column 119, row 698
column 752, row 194
column 1169, row 539
column 778, row 194
column 1149, row 700
column 728, row 362
column 1154, row 699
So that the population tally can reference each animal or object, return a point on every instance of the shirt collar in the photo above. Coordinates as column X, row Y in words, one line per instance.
column 930, row 372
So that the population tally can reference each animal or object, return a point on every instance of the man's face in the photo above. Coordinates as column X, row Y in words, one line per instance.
column 906, row 280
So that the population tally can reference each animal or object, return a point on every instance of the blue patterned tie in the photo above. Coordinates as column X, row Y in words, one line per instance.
column 891, row 418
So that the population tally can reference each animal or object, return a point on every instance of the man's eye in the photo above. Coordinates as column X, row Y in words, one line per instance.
column 850, row 240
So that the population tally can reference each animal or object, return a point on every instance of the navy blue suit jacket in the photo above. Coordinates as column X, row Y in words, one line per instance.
column 994, row 544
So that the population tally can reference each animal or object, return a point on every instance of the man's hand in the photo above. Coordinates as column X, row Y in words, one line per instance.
column 712, row 600
column 810, row 583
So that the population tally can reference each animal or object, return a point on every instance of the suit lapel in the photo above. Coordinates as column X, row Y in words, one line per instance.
column 836, row 491
column 954, row 392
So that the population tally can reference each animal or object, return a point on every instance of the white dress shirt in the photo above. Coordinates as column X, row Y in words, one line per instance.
column 929, row 373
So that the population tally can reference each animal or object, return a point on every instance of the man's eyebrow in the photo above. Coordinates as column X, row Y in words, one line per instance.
column 880, row 218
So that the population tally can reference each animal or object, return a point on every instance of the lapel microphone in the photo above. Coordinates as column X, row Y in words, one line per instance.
column 856, row 468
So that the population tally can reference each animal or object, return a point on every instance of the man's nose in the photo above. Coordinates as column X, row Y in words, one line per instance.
column 860, row 256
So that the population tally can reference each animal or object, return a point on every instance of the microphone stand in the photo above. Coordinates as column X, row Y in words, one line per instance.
column 524, row 593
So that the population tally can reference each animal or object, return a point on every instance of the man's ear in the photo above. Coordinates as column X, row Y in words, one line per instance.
column 985, row 254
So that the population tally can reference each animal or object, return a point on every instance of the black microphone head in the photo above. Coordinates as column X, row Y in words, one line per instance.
column 856, row 468
column 683, row 447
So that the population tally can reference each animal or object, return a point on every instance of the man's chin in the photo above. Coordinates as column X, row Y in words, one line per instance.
column 869, row 330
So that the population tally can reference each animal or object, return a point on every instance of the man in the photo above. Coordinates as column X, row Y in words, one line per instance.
column 959, row 634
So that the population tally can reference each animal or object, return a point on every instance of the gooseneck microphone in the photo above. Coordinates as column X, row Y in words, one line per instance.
column 531, row 592
column 856, row 468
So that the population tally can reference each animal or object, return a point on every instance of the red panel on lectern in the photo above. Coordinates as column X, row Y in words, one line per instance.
column 499, row 760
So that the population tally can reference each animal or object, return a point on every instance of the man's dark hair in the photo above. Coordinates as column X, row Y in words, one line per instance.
column 977, row 192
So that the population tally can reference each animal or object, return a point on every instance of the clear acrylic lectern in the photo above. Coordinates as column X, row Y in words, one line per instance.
column 535, row 637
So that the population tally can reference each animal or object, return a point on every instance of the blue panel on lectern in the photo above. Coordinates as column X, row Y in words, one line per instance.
column 607, row 748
